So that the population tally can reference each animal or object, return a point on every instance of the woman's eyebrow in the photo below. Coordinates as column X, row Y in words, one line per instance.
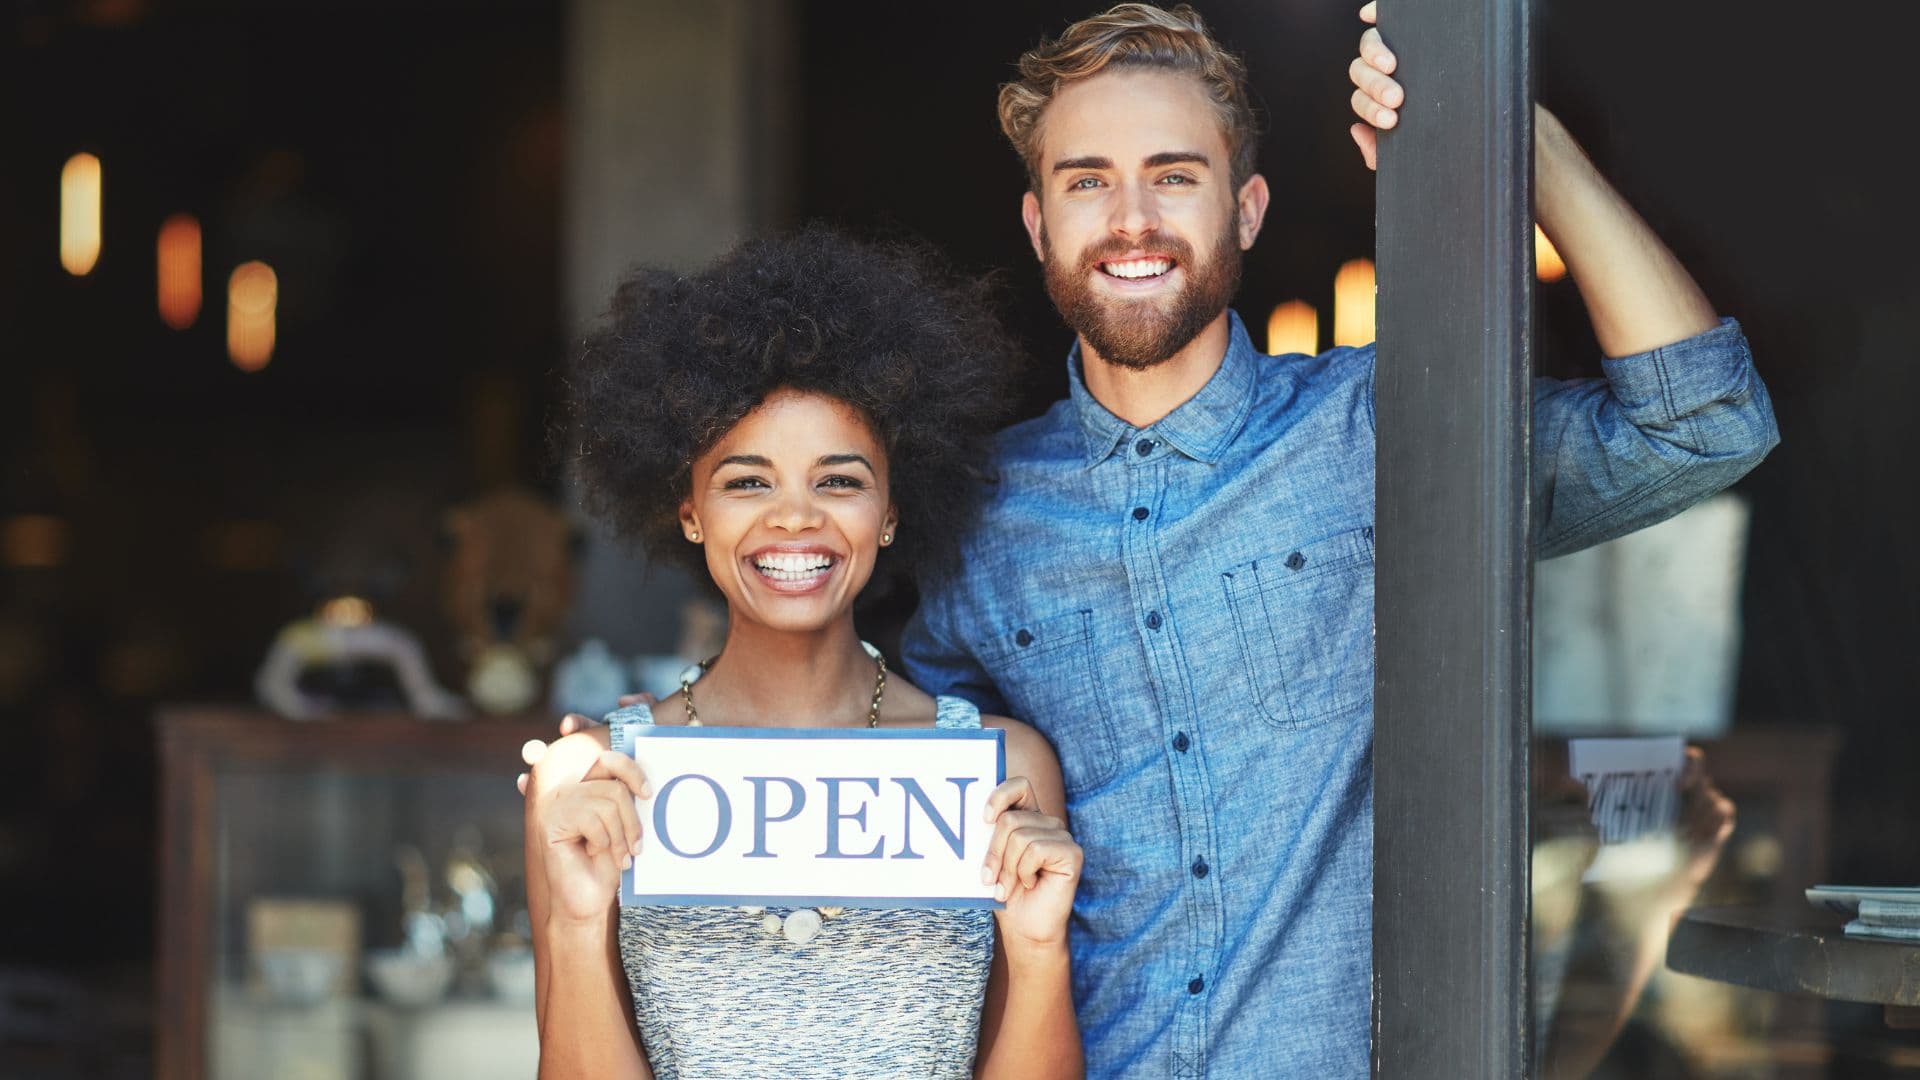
column 752, row 461
column 846, row 459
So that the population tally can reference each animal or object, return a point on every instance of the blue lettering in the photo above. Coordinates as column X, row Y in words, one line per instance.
column 720, row 800
column 796, row 799
column 835, row 817
column 957, row 840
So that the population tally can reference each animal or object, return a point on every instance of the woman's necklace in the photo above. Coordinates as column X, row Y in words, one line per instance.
column 802, row 924
column 873, row 711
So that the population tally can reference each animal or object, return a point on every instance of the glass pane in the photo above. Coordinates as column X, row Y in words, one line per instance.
column 368, row 925
column 1769, row 627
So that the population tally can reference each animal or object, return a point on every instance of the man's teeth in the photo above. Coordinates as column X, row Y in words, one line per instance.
column 792, row 567
column 1138, row 268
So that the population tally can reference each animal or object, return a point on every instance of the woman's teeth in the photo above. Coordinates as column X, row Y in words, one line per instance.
column 792, row 567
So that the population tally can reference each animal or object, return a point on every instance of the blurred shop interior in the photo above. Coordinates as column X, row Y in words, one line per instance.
column 287, row 289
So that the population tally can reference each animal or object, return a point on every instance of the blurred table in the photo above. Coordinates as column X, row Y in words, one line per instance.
column 1802, row 953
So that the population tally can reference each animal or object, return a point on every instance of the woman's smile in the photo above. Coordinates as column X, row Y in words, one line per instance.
column 794, row 569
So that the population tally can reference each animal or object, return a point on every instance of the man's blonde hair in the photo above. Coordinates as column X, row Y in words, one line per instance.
column 1130, row 36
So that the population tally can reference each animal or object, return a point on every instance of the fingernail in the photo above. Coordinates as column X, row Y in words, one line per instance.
column 1000, row 892
column 626, row 863
column 986, row 875
column 646, row 791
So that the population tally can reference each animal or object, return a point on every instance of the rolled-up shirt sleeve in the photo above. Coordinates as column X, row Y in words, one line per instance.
column 1664, row 430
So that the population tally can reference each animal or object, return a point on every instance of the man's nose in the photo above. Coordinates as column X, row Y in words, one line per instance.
column 1135, row 214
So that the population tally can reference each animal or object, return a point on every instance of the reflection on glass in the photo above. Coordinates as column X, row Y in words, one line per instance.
column 1642, row 634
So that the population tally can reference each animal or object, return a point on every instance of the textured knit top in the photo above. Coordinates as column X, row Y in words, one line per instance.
column 878, row 992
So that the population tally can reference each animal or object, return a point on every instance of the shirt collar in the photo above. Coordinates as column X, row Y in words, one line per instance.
column 1200, row 428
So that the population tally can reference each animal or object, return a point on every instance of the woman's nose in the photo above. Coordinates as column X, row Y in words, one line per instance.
column 794, row 511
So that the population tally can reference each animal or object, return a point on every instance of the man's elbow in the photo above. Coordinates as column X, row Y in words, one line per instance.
column 1742, row 433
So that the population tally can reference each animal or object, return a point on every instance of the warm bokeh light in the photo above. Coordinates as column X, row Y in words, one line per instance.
column 33, row 541
column 1294, row 327
column 253, row 292
column 178, row 265
column 1353, row 303
column 346, row 611
column 80, row 214
column 1547, row 264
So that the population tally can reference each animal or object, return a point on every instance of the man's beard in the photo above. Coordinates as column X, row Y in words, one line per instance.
column 1139, row 334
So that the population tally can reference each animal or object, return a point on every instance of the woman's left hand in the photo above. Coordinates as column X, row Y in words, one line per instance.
column 1034, row 865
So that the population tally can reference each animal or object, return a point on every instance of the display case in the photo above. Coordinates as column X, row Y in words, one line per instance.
column 342, row 898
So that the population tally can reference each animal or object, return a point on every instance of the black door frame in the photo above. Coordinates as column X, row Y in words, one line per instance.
column 1455, row 272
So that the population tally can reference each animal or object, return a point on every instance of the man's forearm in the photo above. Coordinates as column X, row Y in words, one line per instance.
column 1637, row 294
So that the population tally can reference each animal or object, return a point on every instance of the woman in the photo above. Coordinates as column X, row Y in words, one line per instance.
column 798, row 415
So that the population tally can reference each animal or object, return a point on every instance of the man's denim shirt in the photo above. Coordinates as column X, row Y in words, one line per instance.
column 1186, row 611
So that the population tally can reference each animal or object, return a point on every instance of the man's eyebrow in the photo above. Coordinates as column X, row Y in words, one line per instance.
column 754, row 461
column 846, row 459
column 1153, row 161
column 1082, row 163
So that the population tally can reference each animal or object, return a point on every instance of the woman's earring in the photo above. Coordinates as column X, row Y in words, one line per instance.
column 694, row 536
column 885, row 539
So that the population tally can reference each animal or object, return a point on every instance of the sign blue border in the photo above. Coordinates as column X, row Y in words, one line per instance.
column 643, row 731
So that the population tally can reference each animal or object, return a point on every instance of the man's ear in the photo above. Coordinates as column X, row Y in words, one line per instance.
column 1036, row 229
column 1253, row 209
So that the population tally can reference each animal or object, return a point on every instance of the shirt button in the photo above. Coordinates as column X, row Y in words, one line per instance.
column 1296, row 560
column 1143, row 447
column 1200, row 868
column 1153, row 620
column 1180, row 742
column 1023, row 639
column 1139, row 513
column 1198, row 984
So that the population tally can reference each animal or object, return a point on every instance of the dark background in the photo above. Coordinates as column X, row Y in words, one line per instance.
column 400, row 165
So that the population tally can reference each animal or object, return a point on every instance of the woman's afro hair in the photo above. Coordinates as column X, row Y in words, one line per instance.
column 885, row 327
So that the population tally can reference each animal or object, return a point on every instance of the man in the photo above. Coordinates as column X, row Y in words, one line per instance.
column 1175, row 580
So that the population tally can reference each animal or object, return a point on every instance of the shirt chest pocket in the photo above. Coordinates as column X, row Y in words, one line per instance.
column 1304, row 617
column 1047, row 672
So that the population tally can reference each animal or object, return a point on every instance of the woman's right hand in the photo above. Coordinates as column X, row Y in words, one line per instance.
column 580, row 807
column 1034, row 864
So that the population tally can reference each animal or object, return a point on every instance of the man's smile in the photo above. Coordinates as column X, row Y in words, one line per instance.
column 1137, row 269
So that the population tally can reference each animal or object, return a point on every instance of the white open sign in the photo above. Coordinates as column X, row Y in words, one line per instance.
column 817, row 817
